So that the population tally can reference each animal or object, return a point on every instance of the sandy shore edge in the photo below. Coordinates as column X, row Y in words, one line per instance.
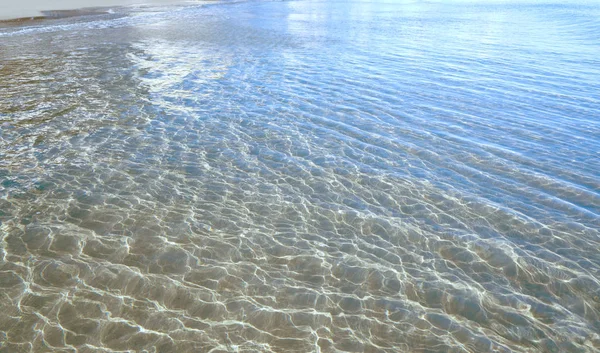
column 25, row 10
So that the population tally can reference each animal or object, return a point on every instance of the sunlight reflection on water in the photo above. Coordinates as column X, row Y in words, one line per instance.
column 360, row 176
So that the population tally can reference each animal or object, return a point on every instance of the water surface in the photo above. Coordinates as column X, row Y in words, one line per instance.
column 302, row 176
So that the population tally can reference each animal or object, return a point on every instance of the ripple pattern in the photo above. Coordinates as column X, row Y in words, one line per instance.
column 302, row 176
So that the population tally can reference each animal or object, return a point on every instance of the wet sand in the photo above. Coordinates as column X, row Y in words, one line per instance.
column 39, row 8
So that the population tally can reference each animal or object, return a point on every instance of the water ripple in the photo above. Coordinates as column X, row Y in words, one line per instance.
column 302, row 176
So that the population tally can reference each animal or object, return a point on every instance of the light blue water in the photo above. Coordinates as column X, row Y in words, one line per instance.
column 302, row 176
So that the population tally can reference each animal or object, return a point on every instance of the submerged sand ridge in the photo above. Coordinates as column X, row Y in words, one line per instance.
column 35, row 8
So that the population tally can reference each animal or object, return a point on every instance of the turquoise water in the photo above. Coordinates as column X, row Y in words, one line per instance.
column 302, row 176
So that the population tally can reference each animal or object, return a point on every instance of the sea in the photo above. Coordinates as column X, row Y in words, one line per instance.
column 302, row 176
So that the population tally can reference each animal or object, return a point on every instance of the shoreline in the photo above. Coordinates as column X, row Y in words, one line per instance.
column 55, row 14
column 29, row 10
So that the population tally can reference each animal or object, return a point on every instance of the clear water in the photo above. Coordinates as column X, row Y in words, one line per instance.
column 302, row 176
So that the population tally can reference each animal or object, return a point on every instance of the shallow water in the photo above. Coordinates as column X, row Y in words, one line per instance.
column 302, row 176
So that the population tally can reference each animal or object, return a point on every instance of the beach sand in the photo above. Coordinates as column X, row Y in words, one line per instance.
column 38, row 8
